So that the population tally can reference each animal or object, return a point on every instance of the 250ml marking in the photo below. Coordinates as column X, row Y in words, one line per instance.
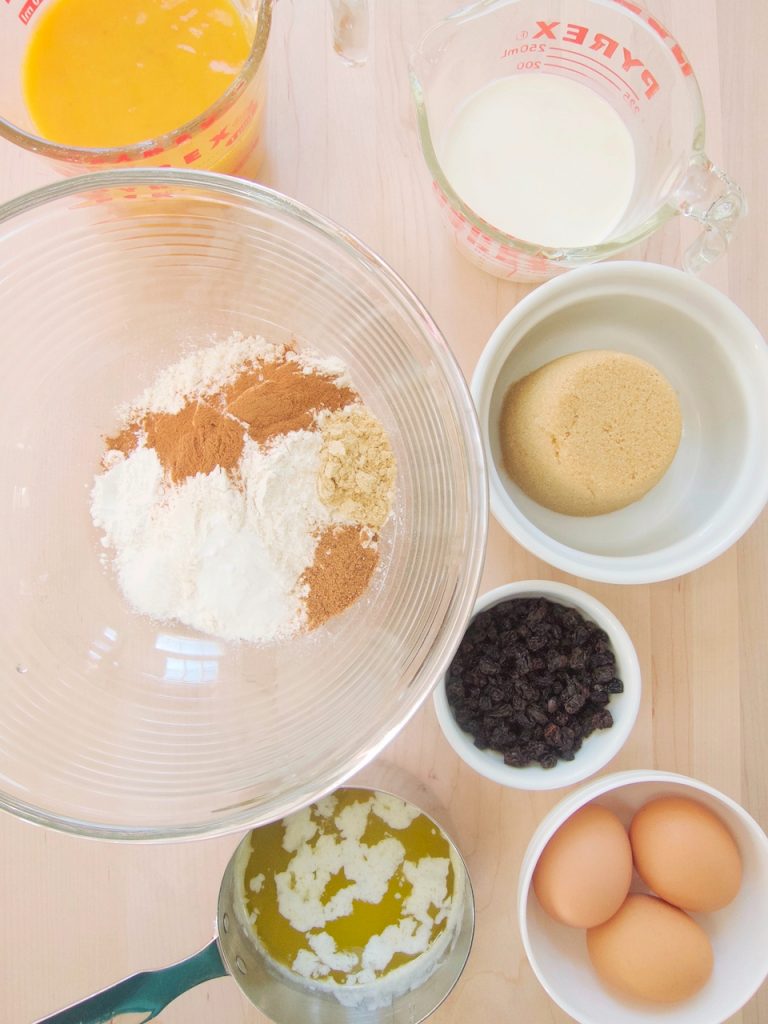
column 611, row 51
column 513, row 51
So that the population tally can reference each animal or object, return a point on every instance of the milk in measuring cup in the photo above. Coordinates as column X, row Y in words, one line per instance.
column 542, row 158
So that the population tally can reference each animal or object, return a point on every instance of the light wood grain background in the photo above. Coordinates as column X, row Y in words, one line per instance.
column 77, row 915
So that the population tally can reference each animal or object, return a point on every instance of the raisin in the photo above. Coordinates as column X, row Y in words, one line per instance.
column 575, row 703
column 552, row 735
column 600, row 698
column 578, row 658
column 536, row 715
column 603, row 674
column 532, row 679
column 603, row 719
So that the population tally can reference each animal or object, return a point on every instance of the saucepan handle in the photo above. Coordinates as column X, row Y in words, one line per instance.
column 148, row 992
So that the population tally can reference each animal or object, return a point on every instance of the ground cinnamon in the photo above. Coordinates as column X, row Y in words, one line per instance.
column 247, row 407
column 195, row 440
column 282, row 396
column 345, row 560
column 124, row 441
column 269, row 400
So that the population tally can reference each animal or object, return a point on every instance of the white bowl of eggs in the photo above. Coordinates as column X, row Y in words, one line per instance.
column 643, row 896
column 623, row 415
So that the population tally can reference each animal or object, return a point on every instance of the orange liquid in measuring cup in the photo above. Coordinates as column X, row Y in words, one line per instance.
column 109, row 73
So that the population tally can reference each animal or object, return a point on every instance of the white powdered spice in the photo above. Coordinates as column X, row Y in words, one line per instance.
column 202, row 372
column 123, row 498
column 223, row 552
column 206, row 370
column 218, row 557
column 330, row 365
column 282, row 500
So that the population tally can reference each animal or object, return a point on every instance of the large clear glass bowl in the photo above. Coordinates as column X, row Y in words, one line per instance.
column 120, row 727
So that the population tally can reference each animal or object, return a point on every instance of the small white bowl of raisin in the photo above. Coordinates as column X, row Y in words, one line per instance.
column 544, row 688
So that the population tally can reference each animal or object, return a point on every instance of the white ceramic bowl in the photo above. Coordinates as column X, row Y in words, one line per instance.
column 597, row 749
column 738, row 933
column 717, row 362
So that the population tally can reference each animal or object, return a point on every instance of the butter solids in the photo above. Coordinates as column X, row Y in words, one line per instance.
column 359, row 894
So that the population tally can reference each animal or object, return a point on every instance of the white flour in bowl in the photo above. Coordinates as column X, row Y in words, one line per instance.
column 227, row 550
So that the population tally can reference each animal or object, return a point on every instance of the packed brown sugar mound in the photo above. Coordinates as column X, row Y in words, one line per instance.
column 590, row 432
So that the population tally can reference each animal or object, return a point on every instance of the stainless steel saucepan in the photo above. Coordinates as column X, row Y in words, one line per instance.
column 234, row 951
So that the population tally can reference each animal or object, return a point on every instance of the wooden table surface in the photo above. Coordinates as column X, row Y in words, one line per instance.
column 76, row 914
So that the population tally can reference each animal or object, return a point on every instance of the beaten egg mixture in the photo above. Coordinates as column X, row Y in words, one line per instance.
column 103, row 75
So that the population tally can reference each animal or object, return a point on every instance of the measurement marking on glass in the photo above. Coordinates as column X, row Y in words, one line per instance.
column 514, row 51
column 573, row 71
column 592, row 71
column 28, row 10
column 600, row 64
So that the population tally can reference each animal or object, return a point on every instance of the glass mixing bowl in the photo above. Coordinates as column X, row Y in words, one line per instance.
column 120, row 727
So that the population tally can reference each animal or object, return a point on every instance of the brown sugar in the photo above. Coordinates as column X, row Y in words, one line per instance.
column 590, row 432
column 344, row 563
column 282, row 396
column 195, row 440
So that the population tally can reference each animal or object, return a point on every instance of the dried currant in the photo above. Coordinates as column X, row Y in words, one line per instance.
column 532, row 679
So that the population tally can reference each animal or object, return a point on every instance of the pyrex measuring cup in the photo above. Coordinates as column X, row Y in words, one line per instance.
column 234, row 951
column 221, row 138
column 622, row 53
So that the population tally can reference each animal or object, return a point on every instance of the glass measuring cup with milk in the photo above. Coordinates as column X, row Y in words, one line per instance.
column 560, row 132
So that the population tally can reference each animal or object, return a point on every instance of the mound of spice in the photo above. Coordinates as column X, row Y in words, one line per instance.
column 244, row 492
column 532, row 679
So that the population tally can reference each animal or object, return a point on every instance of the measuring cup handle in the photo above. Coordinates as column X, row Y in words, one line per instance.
column 350, row 30
column 149, row 992
column 710, row 197
column 351, row 26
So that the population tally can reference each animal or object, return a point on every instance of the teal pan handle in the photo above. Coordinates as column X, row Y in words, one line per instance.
column 148, row 992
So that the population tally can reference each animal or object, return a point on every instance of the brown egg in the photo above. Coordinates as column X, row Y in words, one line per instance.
column 652, row 951
column 582, row 876
column 685, row 854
